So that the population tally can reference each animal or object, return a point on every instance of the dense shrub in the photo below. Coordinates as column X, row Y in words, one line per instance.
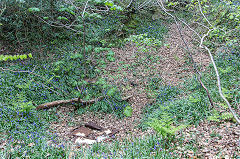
column 21, row 28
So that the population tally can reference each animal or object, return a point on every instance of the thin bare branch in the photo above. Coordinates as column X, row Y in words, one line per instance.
column 204, row 15
column 218, row 78
column 2, row 10
column 84, row 10
column 188, row 50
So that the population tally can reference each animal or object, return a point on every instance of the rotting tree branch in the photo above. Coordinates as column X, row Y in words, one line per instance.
column 77, row 100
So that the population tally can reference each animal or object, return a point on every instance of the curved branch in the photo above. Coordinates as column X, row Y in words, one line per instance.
column 211, row 57
column 218, row 78
column 188, row 50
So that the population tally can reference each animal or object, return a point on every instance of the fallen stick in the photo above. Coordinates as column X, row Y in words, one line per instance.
column 77, row 100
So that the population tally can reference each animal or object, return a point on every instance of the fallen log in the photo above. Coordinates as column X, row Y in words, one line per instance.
column 77, row 100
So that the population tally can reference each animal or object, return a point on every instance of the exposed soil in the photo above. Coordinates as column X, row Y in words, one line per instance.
column 132, row 79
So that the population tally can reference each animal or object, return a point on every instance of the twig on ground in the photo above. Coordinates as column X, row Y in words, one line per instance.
column 56, row 103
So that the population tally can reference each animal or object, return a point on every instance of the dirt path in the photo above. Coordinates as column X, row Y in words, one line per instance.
column 131, row 73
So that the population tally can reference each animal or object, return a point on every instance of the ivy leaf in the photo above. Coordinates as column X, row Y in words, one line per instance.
column 62, row 18
column 128, row 111
column 111, row 91
column 109, row 3
column 30, row 55
column 21, row 57
column 33, row 9
column 111, row 53
column 15, row 57
column 231, row 17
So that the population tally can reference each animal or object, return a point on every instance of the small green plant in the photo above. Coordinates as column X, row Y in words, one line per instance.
column 143, row 42
column 227, row 94
column 110, row 56
column 21, row 102
column 112, row 91
column 14, row 57
column 128, row 111
column 227, row 116
column 218, row 117
column 165, row 126
column 215, row 116
column 223, row 15
column 194, row 99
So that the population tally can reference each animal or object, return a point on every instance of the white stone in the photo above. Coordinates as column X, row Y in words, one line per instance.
column 101, row 138
column 80, row 134
column 108, row 131
column 84, row 141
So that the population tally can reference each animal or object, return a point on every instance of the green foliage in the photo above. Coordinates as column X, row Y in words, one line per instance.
column 224, row 16
column 20, row 102
column 227, row 116
column 228, row 65
column 110, row 56
column 172, row 4
column 32, row 23
column 183, row 111
column 144, row 43
column 128, row 111
column 20, row 28
column 33, row 9
column 227, row 94
column 153, row 28
column 62, row 18
column 27, row 134
column 165, row 126
column 215, row 116
column 219, row 117
column 113, row 6
column 14, row 57
column 194, row 107
column 111, row 91
column 194, row 99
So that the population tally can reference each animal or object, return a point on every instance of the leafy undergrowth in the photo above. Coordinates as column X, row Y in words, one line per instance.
column 24, row 132
column 27, row 83
column 194, row 106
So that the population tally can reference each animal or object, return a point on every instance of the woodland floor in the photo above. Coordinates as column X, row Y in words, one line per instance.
column 133, row 81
